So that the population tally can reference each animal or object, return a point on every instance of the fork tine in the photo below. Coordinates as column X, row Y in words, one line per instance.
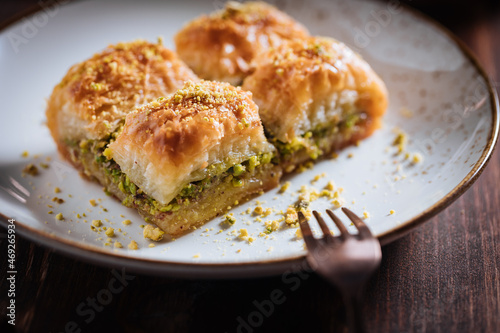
column 343, row 230
column 364, row 231
column 306, row 232
column 326, row 231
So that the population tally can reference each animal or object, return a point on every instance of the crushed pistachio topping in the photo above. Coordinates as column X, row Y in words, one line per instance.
column 201, row 93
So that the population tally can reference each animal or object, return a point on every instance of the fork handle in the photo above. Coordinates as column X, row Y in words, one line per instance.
column 354, row 301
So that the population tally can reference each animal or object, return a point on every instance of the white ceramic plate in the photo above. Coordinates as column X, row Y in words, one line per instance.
column 438, row 95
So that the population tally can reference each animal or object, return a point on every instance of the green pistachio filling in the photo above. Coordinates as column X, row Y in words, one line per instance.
column 135, row 197
column 314, row 141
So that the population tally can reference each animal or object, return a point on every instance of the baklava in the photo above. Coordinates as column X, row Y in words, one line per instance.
column 315, row 95
column 222, row 45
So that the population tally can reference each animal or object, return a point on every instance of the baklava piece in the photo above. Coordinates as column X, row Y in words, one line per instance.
column 221, row 46
column 184, row 159
column 315, row 95
column 94, row 97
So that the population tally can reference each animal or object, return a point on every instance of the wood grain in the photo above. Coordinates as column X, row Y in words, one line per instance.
column 442, row 277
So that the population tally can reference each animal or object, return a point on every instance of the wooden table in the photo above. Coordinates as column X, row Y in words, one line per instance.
column 442, row 277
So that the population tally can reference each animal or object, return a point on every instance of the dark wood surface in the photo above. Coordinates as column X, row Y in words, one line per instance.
column 442, row 277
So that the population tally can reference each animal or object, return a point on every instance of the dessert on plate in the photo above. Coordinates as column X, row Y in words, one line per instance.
column 181, row 150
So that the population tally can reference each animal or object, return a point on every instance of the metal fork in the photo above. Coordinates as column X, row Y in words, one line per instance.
column 347, row 261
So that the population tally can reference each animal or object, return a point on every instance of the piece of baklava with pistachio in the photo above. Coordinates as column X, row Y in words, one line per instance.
column 315, row 95
column 186, row 158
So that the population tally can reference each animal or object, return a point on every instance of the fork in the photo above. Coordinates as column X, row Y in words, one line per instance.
column 347, row 261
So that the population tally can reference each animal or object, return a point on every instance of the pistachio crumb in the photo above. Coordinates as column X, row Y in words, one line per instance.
column 417, row 158
column 110, row 232
column 96, row 223
column 229, row 219
column 152, row 233
column 258, row 210
column 243, row 234
column 31, row 170
column 285, row 187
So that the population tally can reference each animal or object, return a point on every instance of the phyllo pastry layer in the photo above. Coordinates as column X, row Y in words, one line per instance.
column 221, row 46
column 185, row 159
column 315, row 95
column 96, row 94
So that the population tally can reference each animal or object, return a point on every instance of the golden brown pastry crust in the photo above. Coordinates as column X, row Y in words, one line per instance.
column 97, row 93
column 221, row 46
column 306, row 83
column 168, row 143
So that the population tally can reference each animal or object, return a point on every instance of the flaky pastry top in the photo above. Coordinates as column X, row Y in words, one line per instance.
column 221, row 46
column 100, row 91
